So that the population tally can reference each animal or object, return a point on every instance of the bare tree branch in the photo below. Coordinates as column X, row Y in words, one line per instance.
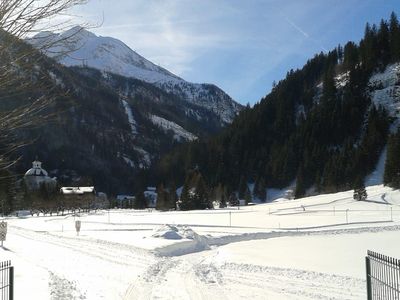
column 20, row 67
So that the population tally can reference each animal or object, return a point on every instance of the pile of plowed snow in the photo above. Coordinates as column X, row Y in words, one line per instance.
column 178, row 232
column 191, row 241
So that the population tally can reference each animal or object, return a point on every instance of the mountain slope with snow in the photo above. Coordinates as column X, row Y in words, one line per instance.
column 79, row 47
column 384, row 89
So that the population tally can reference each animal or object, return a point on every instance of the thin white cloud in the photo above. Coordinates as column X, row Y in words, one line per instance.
column 305, row 34
column 297, row 27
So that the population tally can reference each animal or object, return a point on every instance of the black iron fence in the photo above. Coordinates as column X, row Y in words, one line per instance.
column 6, row 281
column 383, row 277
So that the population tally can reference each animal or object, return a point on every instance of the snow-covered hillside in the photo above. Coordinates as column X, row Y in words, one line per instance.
column 385, row 89
column 79, row 47
column 310, row 248
column 179, row 132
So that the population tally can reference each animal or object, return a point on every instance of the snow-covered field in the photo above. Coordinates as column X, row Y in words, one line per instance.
column 311, row 248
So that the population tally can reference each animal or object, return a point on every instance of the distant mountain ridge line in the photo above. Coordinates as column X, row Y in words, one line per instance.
column 111, row 55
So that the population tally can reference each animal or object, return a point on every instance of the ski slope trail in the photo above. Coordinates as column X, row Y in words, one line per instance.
column 81, row 268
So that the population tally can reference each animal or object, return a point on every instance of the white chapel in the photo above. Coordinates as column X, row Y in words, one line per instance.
column 36, row 176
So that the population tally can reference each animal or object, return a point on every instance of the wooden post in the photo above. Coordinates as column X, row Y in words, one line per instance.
column 391, row 213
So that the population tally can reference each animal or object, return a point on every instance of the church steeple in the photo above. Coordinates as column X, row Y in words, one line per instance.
column 37, row 176
column 36, row 169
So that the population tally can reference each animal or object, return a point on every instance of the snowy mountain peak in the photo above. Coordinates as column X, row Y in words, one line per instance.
column 80, row 47
column 79, row 30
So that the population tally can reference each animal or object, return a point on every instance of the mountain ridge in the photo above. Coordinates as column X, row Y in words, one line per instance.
column 110, row 55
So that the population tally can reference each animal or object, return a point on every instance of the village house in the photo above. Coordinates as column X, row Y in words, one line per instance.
column 79, row 197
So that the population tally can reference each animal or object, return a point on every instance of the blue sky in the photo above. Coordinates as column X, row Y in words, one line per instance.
column 240, row 45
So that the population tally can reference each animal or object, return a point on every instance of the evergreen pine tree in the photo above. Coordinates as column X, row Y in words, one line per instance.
column 300, row 190
column 242, row 187
column 350, row 56
column 195, row 194
column 383, row 39
column 360, row 193
column 220, row 195
column 260, row 189
column 140, row 201
column 162, row 198
column 339, row 50
column 172, row 197
column 394, row 28
column 247, row 196
column 392, row 165
column 233, row 200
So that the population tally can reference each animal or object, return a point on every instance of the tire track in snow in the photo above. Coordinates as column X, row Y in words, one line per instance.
column 110, row 267
column 184, row 277
column 112, row 252
column 256, row 282
column 198, row 276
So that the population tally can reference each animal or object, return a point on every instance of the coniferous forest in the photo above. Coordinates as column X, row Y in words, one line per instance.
column 313, row 128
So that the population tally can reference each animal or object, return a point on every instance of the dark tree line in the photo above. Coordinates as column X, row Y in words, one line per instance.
column 392, row 166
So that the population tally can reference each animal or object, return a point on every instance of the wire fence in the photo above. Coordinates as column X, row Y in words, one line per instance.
column 6, row 281
column 383, row 277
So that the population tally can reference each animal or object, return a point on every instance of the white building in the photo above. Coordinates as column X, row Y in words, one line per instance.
column 125, row 200
column 289, row 194
column 37, row 176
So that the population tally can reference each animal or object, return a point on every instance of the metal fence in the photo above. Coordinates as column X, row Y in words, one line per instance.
column 383, row 277
column 6, row 281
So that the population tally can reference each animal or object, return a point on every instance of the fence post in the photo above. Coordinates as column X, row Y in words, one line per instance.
column 11, row 283
column 368, row 269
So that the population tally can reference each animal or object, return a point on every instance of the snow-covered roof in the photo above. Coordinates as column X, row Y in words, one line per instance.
column 77, row 190
column 36, row 170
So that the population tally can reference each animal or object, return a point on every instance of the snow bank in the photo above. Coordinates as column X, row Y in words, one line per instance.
column 167, row 232
column 191, row 241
